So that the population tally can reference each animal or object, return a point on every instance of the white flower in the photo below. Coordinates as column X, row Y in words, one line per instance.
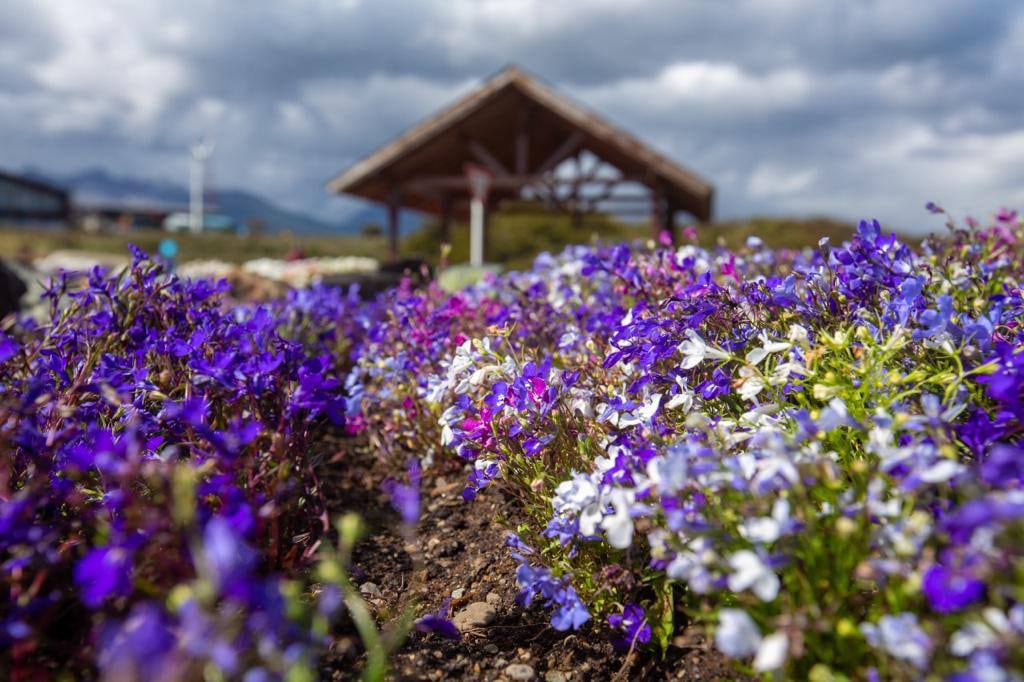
column 583, row 403
column 772, row 468
column 833, row 416
column 765, row 529
column 695, row 350
column 749, row 572
column 478, row 377
column 590, row 518
column 683, row 399
column 757, row 355
column 771, row 655
column 941, row 471
column 436, row 388
column 669, row 472
column 987, row 633
column 972, row 637
column 780, row 375
column 737, row 634
column 752, row 384
column 797, row 334
column 619, row 525
column 573, row 495
column 449, row 417
column 901, row 637
column 650, row 407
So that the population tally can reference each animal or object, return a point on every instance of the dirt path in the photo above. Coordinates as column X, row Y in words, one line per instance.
column 464, row 558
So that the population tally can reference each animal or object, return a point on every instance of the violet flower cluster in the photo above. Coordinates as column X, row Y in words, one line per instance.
column 157, row 477
column 815, row 455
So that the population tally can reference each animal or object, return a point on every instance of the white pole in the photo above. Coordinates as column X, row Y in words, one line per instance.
column 195, row 195
column 476, row 232
column 200, row 153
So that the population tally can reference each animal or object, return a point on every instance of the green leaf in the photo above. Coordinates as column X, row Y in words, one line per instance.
column 662, row 614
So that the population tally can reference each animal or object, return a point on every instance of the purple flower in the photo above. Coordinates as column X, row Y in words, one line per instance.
column 439, row 623
column 632, row 626
column 1004, row 466
column 405, row 499
column 8, row 347
column 533, row 446
column 139, row 647
column 225, row 554
column 951, row 589
column 572, row 614
column 103, row 573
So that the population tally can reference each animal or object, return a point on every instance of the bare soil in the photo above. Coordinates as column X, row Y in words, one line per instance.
column 462, row 550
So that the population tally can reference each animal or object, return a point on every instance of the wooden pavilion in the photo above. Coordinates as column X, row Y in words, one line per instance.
column 536, row 144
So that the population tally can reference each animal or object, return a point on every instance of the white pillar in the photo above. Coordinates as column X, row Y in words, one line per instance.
column 195, row 195
column 476, row 232
column 200, row 153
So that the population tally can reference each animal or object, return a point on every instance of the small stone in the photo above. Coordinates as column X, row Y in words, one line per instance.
column 459, row 593
column 492, row 598
column 476, row 615
column 555, row 676
column 491, row 649
column 450, row 549
column 519, row 671
column 500, row 663
column 370, row 589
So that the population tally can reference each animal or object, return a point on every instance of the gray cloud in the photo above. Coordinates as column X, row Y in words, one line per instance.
column 801, row 106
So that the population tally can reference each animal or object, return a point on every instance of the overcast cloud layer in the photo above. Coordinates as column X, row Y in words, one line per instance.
column 851, row 109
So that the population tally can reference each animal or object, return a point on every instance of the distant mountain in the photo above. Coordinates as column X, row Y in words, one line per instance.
column 96, row 186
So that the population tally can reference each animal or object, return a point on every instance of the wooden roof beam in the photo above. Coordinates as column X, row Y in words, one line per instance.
column 561, row 153
column 487, row 159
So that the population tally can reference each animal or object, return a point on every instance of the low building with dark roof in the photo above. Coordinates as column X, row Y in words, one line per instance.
column 24, row 199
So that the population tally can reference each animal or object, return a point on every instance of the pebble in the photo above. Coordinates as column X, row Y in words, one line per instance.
column 492, row 598
column 370, row 589
column 476, row 615
column 491, row 649
column 519, row 671
column 555, row 676
column 450, row 549
column 459, row 593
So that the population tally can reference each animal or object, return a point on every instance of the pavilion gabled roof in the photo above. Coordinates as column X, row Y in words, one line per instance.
column 488, row 121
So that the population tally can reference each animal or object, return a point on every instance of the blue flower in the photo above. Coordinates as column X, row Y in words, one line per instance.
column 572, row 614
column 439, row 624
column 103, row 573
column 8, row 347
column 950, row 589
column 632, row 626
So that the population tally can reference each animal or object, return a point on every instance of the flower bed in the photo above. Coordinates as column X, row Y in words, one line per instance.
column 158, row 476
column 814, row 454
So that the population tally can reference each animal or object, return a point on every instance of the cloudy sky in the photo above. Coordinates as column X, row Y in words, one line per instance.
column 848, row 108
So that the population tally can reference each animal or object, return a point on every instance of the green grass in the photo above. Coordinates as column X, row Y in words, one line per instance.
column 15, row 242
column 517, row 234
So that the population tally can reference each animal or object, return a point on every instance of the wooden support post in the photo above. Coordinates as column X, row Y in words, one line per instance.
column 657, row 207
column 663, row 214
column 446, row 218
column 394, row 205
column 522, row 152
column 670, row 221
column 523, row 139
